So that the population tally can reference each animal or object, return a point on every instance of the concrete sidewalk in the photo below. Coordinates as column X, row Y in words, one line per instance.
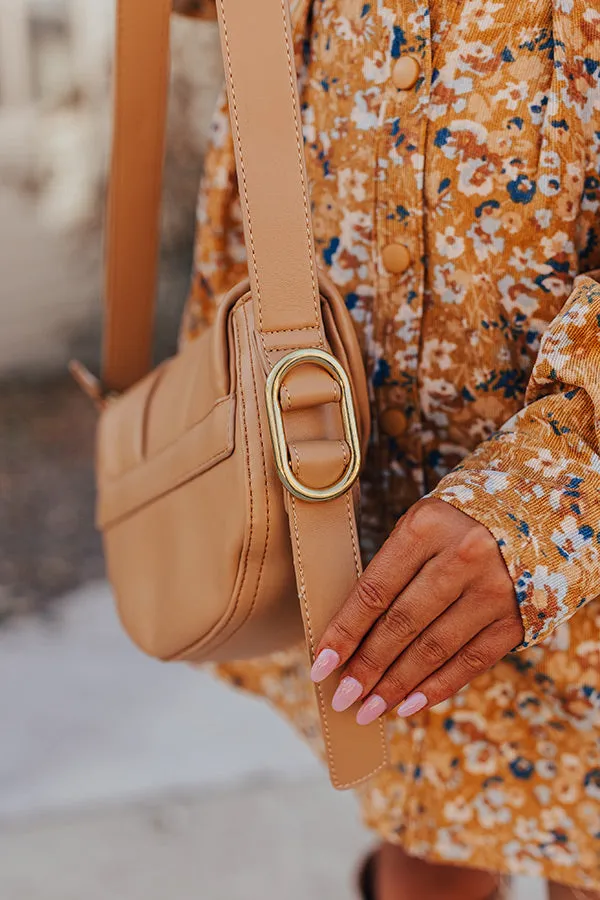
column 121, row 779
column 260, row 842
column 278, row 841
column 87, row 718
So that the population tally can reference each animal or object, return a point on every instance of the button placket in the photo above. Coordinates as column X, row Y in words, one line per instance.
column 400, row 226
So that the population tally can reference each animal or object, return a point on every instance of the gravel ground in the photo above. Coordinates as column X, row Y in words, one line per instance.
column 48, row 543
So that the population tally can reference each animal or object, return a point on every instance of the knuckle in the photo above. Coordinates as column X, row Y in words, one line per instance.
column 476, row 545
column 474, row 659
column 393, row 688
column 441, row 688
column 400, row 621
column 368, row 660
column 500, row 585
column 371, row 596
column 509, row 632
column 517, row 634
column 343, row 634
column 430, row 650
column 421, row 521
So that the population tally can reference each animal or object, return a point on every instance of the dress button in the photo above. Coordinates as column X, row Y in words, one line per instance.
column 393, row 421
column 405, row 73
column 395, row 258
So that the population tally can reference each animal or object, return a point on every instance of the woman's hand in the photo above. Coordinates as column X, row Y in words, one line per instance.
column 435, row 608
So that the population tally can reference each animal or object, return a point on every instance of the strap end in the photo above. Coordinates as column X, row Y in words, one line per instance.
column 89, row 384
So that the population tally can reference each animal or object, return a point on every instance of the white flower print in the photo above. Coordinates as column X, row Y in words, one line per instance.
column 550, row 159
column 449, row 283
column 545, row 462
column 513, row 94
column 458, row 810
column 365, row 113
column 449, row 244
column 522, row 259
column 543, row 218
column 377, row 68
column 572, row 538
column 481, row 758
column 558, row 243
column 484, row 14
column 351, row 183
column 518, row 296
column 438, row 352
column 475, row 177
column 486, row 240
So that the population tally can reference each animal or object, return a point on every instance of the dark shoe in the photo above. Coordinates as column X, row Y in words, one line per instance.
column 366, row 877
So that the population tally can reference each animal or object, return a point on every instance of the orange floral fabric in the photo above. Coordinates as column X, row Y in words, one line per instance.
column 483, row 353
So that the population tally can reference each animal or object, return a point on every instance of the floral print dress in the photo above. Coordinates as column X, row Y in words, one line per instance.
column 453, row 152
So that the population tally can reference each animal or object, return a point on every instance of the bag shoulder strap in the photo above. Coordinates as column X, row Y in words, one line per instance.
column 268, row 142
column 134, row 194
column 266, row 124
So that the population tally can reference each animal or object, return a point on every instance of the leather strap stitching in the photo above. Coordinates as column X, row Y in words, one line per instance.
column 358, row 567
column 244, row 180
column 309, row 631
column 292, row 330
column 301, row 164
column 286, row 393
column 263, row 465
column 234, row 112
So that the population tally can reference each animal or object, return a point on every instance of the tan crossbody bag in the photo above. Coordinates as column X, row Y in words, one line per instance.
column 226, row 476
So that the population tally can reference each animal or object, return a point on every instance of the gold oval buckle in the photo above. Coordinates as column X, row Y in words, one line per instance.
column 274, row 382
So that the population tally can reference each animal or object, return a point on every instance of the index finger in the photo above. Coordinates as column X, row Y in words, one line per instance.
column 405, row 552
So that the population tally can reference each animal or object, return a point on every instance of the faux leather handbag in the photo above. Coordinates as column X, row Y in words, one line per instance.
column 226, row 476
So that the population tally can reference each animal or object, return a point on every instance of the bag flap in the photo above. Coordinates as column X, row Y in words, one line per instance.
column 169, row 428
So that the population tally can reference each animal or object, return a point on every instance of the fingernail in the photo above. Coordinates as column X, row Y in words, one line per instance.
column 348, row 692
column 326, row 662
column 412, row 705
column 371, row 709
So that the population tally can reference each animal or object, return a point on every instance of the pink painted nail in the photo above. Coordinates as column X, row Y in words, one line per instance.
column 326, row 662
column 348, row 692
column 371, row 709
column 412, row 705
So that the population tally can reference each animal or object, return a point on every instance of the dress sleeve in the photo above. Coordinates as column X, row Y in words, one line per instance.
column 536, row 483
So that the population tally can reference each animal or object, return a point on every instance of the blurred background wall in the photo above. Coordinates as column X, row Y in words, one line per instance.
column 55, row 62
column 55, row 105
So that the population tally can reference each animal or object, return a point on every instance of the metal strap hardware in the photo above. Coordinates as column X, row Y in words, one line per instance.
column 274, row 382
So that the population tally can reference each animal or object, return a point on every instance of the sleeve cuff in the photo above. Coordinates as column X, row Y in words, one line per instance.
column 549, row 549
